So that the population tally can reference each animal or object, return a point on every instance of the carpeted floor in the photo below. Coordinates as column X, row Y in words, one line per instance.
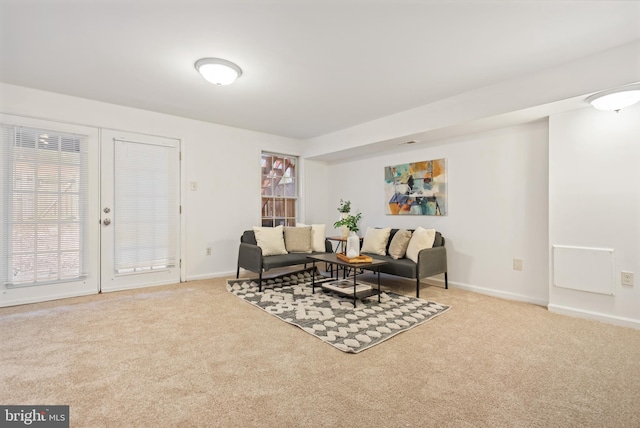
column 194, row 355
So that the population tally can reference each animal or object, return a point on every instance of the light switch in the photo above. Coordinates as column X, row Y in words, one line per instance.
column 517, row 264
column 193, row 185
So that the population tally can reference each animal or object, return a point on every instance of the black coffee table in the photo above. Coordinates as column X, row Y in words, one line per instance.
column 333, row 259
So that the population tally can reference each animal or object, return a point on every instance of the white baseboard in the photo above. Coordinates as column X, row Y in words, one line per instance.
column 210, row 275
column 40, row 299
column 598, row 316
column 243, row 273
column 491, row 292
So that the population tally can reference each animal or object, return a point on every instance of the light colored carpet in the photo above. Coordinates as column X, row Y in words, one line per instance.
column 194, row 355
column 332, row 317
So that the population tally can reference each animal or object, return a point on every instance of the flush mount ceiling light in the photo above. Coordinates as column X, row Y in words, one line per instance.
column 616, row 99
column 218, row 71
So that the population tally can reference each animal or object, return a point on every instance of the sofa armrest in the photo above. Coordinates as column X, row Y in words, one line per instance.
column 431, row 261
column 250, row 257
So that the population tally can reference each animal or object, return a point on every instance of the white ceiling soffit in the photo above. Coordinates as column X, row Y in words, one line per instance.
column 510, row 102
column 310, row 68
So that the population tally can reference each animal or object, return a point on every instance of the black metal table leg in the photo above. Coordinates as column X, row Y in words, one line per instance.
column 378, row 284
column 354, row 287
column 313, row 278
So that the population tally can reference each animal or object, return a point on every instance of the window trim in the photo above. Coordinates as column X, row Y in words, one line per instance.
column 16, row 140
column 273, row 198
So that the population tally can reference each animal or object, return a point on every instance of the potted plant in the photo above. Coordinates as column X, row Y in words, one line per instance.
column 345, row 206
column 350, row 222
column 344, row 209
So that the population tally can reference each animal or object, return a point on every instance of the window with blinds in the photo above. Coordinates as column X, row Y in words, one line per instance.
column 145, row 207
column 43, row 185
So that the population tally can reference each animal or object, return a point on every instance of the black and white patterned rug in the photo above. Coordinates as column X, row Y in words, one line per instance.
column 331, row 317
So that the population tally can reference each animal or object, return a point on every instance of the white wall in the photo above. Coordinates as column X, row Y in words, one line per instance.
column 498, row 206
column 224, row 161
column 594, row 201
column 315, row 192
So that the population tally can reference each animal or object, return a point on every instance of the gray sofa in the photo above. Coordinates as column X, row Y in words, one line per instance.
column 431, row 261
column 250, row 257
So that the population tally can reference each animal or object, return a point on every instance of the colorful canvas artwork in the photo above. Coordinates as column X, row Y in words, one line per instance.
column 417, row 188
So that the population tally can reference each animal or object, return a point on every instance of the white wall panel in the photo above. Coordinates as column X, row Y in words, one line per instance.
column 584, row 269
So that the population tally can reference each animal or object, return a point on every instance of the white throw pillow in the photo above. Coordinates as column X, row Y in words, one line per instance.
column 318, row 236
column 422, row 238
column 270, row 240
column 375, row 241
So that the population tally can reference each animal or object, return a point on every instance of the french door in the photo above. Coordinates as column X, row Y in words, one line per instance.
column 82, row 212
column 140, row 211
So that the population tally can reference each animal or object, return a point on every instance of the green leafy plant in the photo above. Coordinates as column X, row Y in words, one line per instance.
column 345, row 206
column 350, row 222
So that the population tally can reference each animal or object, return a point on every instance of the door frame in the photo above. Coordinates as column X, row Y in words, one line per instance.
column 92, row 283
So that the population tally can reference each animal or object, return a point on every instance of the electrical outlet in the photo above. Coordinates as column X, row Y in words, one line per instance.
column 193, row 185
column 517, row 264
column 627, row 278
column 208, row 251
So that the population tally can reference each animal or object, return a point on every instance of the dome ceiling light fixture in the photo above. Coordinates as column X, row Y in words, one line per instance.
column 616, row 99
column 218, row 71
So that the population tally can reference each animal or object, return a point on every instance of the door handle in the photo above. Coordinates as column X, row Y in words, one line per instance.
column 106, row 222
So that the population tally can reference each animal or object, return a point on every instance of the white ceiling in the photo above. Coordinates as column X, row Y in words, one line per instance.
column 310, row 67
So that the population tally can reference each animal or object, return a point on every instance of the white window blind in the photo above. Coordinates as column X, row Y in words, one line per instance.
column 145, row 207
column 43, row 185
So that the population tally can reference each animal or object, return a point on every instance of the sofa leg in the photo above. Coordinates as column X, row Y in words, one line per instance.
column 238, row 272
column 417, row 288
column 446, row 282
column 260, row 281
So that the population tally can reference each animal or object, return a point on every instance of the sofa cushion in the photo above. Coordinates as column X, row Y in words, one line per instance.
column 375, row 241
column 270, row 240
column 318, row 236
column 298, row 239
column 399, row 244
column 401, row 267
column 422, row 238
column 284, row 260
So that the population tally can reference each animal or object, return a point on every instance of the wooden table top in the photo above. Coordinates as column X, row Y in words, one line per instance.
column 333, row 258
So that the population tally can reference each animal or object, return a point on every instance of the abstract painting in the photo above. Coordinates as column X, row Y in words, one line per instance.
column 417, row 188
